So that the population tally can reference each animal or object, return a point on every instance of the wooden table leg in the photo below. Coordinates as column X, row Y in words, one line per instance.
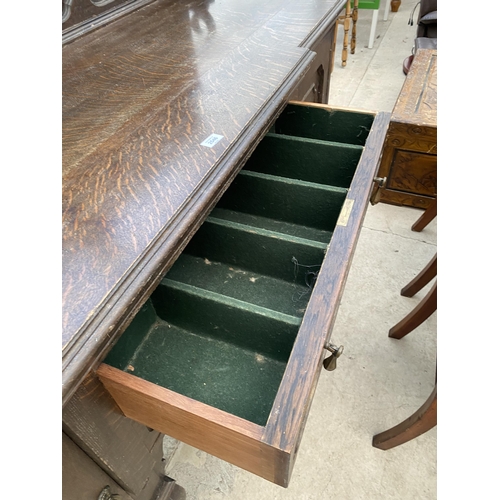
column 424, row 419
column 422, row 279
column 416, row 317
column 429, row 214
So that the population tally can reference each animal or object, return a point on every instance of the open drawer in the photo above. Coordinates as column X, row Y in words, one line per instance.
column 226, row 353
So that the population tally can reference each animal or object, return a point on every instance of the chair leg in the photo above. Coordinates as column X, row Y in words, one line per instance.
column 429, row 214
column 421, row 279
column 373, row 28
column 354, row 22
column 416, row 317
column 386, row 10
column 347, row 21
column 423, row 420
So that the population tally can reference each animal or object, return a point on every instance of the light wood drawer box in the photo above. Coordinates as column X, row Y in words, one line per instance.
column 226, row 353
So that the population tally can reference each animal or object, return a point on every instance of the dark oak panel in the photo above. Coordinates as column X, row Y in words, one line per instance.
column 127, row 451
column 82, row 478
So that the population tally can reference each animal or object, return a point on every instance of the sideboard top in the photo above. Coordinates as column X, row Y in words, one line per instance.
column 159, row 109
column 417, row 102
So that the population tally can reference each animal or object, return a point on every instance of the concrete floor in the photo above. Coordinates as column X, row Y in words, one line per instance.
column 379, row 381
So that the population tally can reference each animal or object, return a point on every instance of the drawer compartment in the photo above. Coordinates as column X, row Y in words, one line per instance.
column 226, row 353
column 205, row 346
column 312, row 160
column 325, row 123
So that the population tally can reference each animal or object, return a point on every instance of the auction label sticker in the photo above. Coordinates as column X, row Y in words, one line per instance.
column 212, row 140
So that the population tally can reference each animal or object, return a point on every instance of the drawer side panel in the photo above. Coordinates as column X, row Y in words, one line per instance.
column 286, row 424
column 227, row 437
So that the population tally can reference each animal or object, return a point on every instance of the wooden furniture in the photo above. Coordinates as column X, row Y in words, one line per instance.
column 426, row 218
column 163, row 107
column 425, row 308
column 351, row 12
column 423, row 278
column 425, row 418
column 226, row 354
column 409, row 160
column 102, row 448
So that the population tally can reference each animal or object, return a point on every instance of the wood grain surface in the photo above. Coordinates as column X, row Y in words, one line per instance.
column 291, row 407
column 417, row 102
column 139, row 97
column 409, row 161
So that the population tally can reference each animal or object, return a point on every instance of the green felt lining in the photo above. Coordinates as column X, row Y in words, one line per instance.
column 218, row 373
column 221, row 351
column 306, row 160
column 231, row 281
column 278, row 198
column 343, row 126
column 277, row 226
column 221, row 325
column 254, row 249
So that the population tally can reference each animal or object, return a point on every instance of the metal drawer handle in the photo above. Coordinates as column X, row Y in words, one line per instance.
column 380, row 183
column 330, row 363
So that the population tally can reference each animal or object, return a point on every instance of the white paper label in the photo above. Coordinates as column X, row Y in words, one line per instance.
column 212, row 140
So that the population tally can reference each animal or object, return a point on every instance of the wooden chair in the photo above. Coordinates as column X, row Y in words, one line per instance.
column 351, row 12
column 425, row 418
column 429, row 214
column 425, row 308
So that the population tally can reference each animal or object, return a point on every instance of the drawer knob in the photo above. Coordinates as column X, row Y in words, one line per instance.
column 380, row 183
column 330, row 363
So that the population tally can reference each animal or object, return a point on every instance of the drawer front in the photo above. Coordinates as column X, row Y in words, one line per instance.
column 409, row 162
column 226, row 353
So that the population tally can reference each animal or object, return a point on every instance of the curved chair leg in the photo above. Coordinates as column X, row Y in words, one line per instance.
column 429, row 214
column 421, row 279
column 416, row 317
column 424, row 419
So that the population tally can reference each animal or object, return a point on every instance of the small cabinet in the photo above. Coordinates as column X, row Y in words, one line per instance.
column 409, row 161
column 226, row 353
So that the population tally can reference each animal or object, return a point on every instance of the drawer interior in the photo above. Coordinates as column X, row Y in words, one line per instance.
column 221, row 325
column 327, row 124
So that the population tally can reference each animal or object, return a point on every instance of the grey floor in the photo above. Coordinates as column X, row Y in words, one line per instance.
column 379, row 381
